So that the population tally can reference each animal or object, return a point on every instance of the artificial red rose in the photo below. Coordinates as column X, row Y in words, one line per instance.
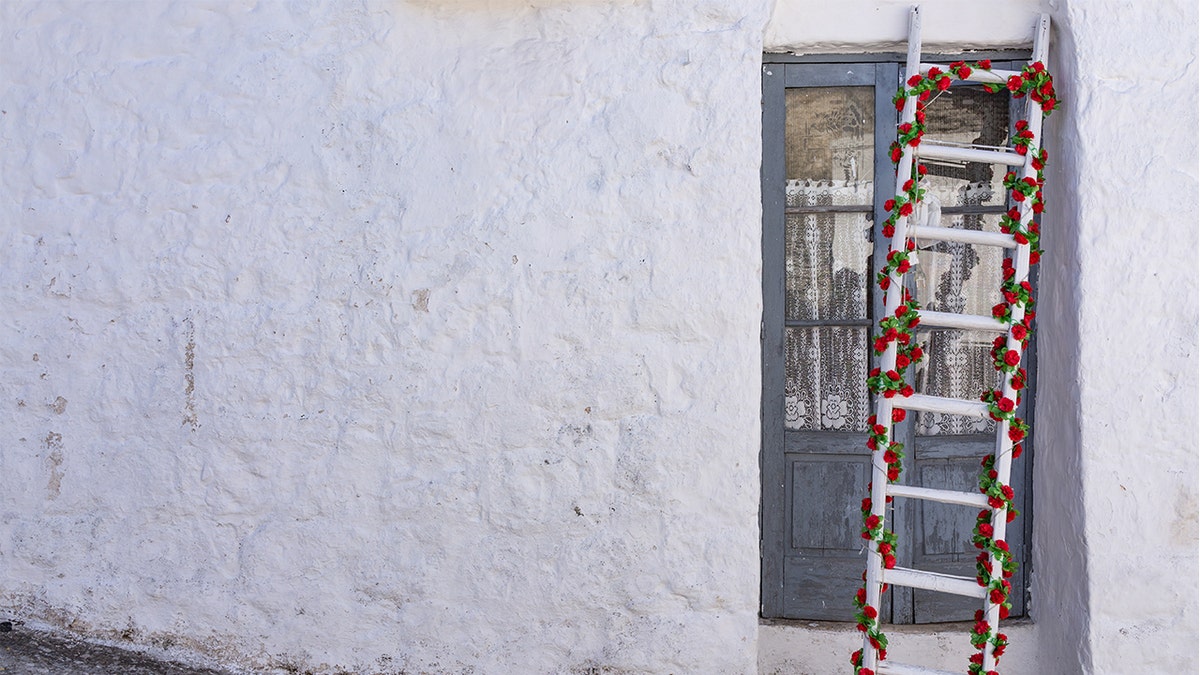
column 1003, row 545
column 1021, row 150
column 906, row 209
column 861, row 596
column 1038, row 207
column 1015, row 434
column 900, row 103
column 1038, row 66
column 1017, row 450
column 920, row 115
column 889, row 205
column 998, row 596
column 890, row 457
column 1005, row 404
column 1003, row 612
column 1011, row 516
column 872, row 521
column 880, row 344
column 943, row 84
column 993, row 474
column 1007, row 490
column 866, row 504
column 898, row 415
column 922, row 170
column 916, row 140
column 896, row 153
column 1021, row 239
column 1018, row 196
column 879, row 429
column 995, row 502
column 889, row 230
column 885, row 548
column 893, row 474
column 910, row 245
column 914, row 80
column 1011, row 357
column 963, row 72
column 1022, row 125
column 977, row 658
column 1019, row 332
column 885, row 282
column 874, row 372
column 865, row 671
column 862, row 628
column 901, row 361
column 999, row 310
column 923, row 96
column 870, row 612
column 889, row 561
column 1034, row 257
column 871, row 443
column 934, row 72
column 906, row 391
column 916, row 353
column 908, row 185
column 985, row 530
column 1014, row 83
column 903, row 267
column 986, row 64
column 1010, row 297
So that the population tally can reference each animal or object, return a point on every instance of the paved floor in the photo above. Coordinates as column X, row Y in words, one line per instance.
column 28, row 652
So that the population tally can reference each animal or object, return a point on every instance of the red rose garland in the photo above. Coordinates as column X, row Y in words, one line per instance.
column 1036, row 83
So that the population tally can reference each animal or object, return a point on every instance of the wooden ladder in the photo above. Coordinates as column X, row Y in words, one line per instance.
column 1010, row 321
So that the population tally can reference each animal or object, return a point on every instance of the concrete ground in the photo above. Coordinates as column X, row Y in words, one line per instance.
column 24, row 651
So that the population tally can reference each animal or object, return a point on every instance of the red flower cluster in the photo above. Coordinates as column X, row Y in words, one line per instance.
column 1033, row 81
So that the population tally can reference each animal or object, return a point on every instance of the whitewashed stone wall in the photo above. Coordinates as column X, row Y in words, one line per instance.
column 424, row 335
column 387, row 337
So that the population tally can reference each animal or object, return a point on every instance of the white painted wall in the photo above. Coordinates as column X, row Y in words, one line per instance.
column 405, row 336
column 424, row 335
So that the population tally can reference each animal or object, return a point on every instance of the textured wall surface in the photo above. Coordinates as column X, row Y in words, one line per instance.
column 408, row 336
column 1128, row 162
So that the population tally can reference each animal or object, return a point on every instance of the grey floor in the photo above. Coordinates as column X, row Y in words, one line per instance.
column 28, row 652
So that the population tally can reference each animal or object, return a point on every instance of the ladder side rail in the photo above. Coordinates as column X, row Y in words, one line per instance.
column 1004, row 444
column 883, row 407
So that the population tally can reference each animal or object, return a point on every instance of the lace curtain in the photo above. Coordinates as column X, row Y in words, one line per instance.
column 826, row 263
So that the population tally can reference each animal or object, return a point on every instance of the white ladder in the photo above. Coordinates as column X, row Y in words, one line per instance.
column 1010, row 322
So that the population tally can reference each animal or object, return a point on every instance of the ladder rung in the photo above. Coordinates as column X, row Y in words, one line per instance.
column 994, row 76
column 953, row 406
column 962, row 236
column 932, row 150
column 963, row 321
column 934, row 581
column 889, row 668
column 943, row 496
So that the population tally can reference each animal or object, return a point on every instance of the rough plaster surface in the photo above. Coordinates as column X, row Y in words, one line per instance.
column 808, row 27
column 1128, row 158
column 826, row 648
column 387, row 337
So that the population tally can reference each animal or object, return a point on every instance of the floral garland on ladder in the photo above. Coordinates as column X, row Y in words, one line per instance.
column 995, row 564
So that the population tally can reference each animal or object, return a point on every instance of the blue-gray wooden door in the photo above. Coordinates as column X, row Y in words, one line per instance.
column 817, row 317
